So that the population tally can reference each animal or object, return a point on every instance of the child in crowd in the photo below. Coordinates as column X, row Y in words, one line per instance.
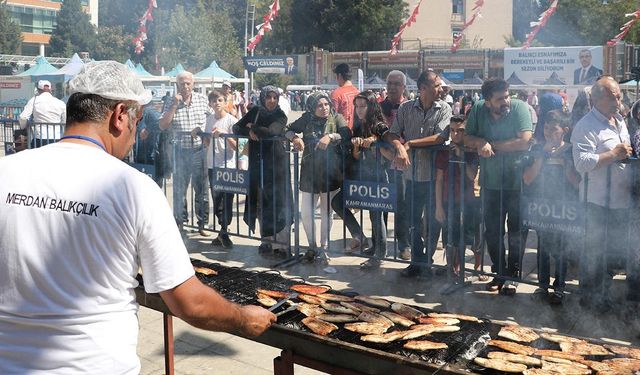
column 449, row 209
column 223, row 155
column 550, row 174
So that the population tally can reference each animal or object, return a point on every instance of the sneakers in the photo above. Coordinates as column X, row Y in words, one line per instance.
column 370, row 264
column 203, row 232
column 556, row 297
column 222, row 241
column 509, row 288
column 405, row 254
column 265, row 248
column 412, row 271
column 540, row 294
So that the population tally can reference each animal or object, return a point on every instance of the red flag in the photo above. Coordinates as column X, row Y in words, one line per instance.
column 404, row 25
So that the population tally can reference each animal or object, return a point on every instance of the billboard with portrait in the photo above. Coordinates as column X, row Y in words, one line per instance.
column 272, row 64
column 574, row 65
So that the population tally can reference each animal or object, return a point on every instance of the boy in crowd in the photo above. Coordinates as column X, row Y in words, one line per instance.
column 449, row 162
column 550, row 174
column 223, row 155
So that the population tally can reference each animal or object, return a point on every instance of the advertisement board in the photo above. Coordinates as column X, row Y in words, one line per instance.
column 574, row 65
column 272, row 64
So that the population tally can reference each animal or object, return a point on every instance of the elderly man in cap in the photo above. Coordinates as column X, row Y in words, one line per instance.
column 68, row 301
column 42, row 112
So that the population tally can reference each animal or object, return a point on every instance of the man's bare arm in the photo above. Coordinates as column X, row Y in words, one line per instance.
column 203, row 307
column 520, row 143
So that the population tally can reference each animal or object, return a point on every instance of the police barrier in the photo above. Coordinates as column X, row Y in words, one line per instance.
column 470, row 219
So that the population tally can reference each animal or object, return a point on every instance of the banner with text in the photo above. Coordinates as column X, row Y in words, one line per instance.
column 367, row 195
column 553, row 216
column 576, row 65
column 230, row 180
column 272, row 64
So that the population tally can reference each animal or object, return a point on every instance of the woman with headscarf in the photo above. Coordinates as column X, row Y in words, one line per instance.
column 322, row 130
column 269, row 198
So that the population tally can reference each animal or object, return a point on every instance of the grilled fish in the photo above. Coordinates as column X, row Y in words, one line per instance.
column 273, row 293
column 309, row 309
column 500, row 365
column 538, row 371
column 370, row 317
column 360, row 306
column 335, row 297
column 623, row 364
column 337, row 318
column 518, row 333
column 406, row 311
column 559, row 338
column 338, row 308
column 583, row 348
column 515, row 358
column 513, row 347
column 427, row 330
column 366, row 328
column 384, row 338
column 601, row 367
column 265, row 300
column 438, row 321
column 558, row 354
column 424, row 345
column 318, row 326
column 377, row 302
column 310, row 289
column 205, row 271
column 397, row 318
column 563, row 368
column 311, row 299
column 624, row 351
column 455, row 316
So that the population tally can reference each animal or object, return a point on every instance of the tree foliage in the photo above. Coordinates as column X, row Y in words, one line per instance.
column 336, row 25
column 10, row 36
column 576, row 22
column 74, row 31
column 194, row 38
column 113, row 44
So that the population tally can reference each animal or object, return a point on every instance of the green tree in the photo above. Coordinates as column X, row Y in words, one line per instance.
column 74, row 32
column 195, row 37
column 113, row 44
column 10, row 36
column 581, row 22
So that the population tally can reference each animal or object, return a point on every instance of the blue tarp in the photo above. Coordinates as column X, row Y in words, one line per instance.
column 174, row 72
column 65, row 73
column 41, row 67
column 214, row 71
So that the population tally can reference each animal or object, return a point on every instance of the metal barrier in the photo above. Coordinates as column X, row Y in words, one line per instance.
column 33, row 135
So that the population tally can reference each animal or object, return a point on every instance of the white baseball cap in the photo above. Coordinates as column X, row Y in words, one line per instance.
column 226, row 83
column 42, row 83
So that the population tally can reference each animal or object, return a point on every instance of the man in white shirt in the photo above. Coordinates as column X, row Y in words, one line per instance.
column 67, row 278
column 44, row 109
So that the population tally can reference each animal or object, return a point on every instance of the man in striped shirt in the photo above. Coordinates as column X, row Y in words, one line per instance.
column 421, row 122
column 184, row 113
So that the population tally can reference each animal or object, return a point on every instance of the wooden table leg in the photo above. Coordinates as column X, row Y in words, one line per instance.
column 283, row 365
column 167, row 322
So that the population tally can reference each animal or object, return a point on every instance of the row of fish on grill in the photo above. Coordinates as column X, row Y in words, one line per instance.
column 373, row 317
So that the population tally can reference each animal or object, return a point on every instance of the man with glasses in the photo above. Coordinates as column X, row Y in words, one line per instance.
column 67, row 286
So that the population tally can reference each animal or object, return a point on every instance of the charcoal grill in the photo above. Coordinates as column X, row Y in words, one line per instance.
column 341, row 351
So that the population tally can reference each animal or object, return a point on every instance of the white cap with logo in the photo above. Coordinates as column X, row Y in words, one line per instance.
column 111, row 80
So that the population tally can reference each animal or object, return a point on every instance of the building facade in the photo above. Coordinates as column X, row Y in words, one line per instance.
column 440, row 20
column 37, row 19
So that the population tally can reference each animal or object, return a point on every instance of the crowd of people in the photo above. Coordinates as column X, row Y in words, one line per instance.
column 463, row 169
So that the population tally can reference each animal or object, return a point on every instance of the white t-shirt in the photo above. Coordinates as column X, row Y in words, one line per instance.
column 223, row 159
column 76, row 223
column 45, row 108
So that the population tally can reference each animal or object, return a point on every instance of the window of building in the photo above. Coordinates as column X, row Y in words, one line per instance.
column 33, row 20
column 457, row 6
